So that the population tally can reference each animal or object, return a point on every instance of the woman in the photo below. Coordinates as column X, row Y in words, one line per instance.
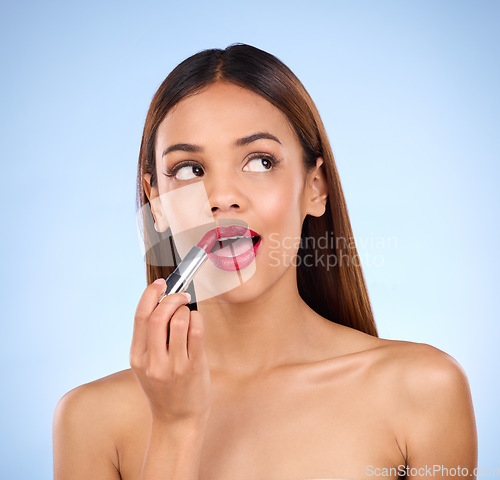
column 276, row 372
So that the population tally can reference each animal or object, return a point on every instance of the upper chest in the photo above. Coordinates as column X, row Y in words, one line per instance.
column 299, row 425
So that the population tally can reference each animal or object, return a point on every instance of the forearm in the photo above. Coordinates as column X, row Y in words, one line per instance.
column 174, row 451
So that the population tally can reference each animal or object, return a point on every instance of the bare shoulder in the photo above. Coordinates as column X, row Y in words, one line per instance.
column 417, row 371
column 421, row 369
column 89, row 422
column 427, row 397
column 415, row 374
column 101, row 399
column 418, row 367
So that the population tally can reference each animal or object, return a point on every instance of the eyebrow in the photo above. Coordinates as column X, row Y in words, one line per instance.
column 241, row 142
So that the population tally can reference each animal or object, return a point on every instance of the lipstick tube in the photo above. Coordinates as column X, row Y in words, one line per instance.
column 179, row 279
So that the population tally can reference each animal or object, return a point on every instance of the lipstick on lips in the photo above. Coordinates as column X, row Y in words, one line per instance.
column 235, row 248
column 229, row 247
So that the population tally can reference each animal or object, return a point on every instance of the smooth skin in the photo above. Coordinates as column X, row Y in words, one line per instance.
column 256, row 385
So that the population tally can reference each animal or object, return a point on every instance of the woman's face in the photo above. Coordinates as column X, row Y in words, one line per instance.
column 215, row 175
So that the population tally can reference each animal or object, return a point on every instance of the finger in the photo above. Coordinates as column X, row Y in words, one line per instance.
column 145, row 307
column 179, row 325
column 196, row 338
column 157, row 324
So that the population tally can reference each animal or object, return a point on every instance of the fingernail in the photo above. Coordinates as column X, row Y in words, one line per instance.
column 159, row 281
column 188, row 296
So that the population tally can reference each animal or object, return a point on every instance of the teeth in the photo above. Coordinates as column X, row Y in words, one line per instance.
column 224, row 243
column 230, row 238
column 222, row 239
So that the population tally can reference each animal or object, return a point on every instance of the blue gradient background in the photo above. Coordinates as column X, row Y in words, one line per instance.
column 409, row 95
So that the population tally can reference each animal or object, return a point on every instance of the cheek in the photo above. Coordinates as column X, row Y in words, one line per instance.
column 185, row 211
column 282, row 204
column 281, row 213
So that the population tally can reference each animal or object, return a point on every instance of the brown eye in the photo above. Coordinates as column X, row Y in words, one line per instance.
column 185, row 171
column 188, row 172
column 260, row 163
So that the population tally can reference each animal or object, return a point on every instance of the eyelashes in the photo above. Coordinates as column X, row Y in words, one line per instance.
column 171, row 172
column 197, row 168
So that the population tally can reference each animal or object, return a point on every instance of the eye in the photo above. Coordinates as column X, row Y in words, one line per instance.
column 185, row 171
column 188, row 172
column 260, row 163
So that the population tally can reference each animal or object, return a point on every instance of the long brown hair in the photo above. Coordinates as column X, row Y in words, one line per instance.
column 337, row 292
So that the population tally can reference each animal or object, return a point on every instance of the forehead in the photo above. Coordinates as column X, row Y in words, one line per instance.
column 222, row 113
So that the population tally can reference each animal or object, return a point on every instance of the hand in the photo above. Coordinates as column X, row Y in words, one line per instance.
column 174, row 377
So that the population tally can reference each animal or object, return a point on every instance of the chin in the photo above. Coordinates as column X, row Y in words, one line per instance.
column 261, row 281
column 244, row 292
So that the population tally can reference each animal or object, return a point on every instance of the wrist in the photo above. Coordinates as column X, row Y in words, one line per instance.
column 181, row 426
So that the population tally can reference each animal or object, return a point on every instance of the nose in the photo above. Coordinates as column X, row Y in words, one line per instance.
column 224, row 195
column 221, row 209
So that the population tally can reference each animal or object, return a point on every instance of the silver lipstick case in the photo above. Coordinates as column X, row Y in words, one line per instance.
column 180, row 278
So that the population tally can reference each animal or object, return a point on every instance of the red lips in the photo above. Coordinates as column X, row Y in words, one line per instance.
column 236, row 256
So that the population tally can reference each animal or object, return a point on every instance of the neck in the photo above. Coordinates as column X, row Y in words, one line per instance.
column 274, row 329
